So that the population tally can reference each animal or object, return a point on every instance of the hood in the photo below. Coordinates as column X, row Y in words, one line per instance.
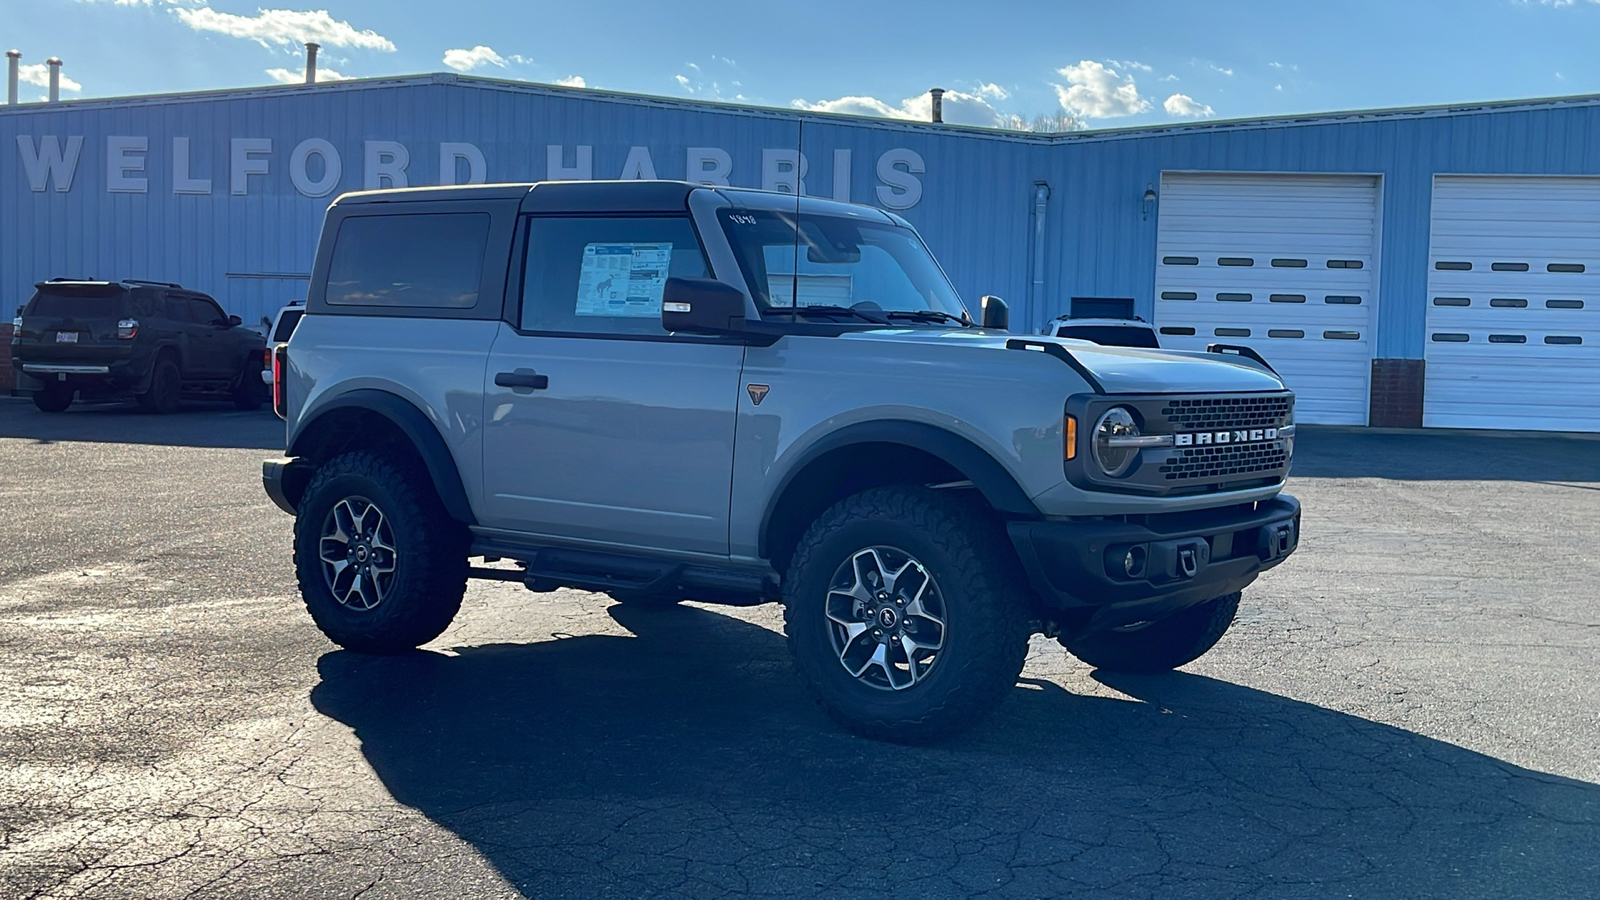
column 1119, row 370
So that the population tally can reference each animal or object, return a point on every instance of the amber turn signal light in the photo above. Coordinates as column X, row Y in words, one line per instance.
column 1071, row 445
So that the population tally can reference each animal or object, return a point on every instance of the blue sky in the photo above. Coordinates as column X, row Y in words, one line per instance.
column 1108, row 64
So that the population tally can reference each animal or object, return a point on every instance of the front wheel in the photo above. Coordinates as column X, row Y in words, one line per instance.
column 906, row 614
column 382, row 567
column 53, row 399
column 1158, row 646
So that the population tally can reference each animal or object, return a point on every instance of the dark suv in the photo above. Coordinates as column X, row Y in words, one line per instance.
column 153, row 341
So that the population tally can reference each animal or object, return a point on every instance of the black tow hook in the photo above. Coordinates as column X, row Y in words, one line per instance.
column 1187, row 564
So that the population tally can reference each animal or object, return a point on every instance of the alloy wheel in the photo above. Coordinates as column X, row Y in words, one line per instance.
column 886, row 617
column 357, row 553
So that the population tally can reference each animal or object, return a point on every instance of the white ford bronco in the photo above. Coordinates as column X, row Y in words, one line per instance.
column 667, row 391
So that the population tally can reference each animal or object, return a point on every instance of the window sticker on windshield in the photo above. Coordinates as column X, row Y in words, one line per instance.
column 623, row 279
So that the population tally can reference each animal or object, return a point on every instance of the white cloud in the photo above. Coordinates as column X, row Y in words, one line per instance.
column 993, row 91
column 39, row 74
column 467, row 60
column 572, row 81
column 1129, row 64
column 959, row 109
column 293, row 76
column 1184, row 105
column 1169, row 78
column 1216, row 68
column 1296, row 68
column 1278, row 88
column 284, row 27
column 1098, row 92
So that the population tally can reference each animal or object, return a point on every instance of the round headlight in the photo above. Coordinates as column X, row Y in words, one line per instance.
column 1116, row 423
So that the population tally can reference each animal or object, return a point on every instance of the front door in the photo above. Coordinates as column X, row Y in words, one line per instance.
column 600, row 427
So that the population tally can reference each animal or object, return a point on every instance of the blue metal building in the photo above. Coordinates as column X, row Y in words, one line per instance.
column 1434, row 266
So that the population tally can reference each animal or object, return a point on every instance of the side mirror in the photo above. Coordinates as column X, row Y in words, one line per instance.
column 702, row 306
column 996, row 314
column 234, row 321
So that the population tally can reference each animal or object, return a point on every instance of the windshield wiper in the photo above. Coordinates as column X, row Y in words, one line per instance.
column 809, row 311
column 928, row 315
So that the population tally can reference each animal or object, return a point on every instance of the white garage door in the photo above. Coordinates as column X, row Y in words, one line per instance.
column 1283, row 264
column 1514, row 304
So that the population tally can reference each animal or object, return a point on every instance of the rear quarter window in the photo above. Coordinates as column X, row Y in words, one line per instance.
column 425, row 260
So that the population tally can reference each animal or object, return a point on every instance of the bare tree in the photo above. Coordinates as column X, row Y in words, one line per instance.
column 1045, row 123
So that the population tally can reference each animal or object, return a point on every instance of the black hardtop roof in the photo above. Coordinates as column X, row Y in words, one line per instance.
column 549, row 196
column 633, row 195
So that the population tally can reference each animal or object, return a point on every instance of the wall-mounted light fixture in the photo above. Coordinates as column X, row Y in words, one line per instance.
column 1149, row 201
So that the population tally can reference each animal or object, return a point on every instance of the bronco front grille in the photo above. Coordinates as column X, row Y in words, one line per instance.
column 1218, row 442
column 1225, row 462
column 1222, row 413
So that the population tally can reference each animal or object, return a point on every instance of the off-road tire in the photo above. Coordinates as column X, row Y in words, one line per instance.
column 251, row 392
column 166, row 388
column 430, row 570
column 53, row 399
column 1160, row 646
column 985, row 601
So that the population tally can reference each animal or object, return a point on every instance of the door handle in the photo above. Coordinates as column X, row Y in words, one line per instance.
column 522, row 380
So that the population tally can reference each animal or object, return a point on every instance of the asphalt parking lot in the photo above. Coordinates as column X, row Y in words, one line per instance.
column 1408, row 708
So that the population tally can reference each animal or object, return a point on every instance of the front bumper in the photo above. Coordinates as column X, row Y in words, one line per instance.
column 1179, row 560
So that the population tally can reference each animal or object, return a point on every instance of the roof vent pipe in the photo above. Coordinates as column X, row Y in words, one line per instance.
column 311, row 62
column 55, row 79
column 938, row 103
column 13, row 60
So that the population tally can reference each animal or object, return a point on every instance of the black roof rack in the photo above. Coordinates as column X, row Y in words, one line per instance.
column 170, row 284
column 70, row 279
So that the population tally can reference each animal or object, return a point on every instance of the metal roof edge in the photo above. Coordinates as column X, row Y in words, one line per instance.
column 772, row 112
column 1331, row 118
column 268, row 90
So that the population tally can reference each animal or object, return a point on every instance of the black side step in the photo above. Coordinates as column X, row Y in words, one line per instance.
column 549, row 568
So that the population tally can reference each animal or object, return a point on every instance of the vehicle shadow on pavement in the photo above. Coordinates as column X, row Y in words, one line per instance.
column 1445, row 456
column 193, row 425
column 686, row 761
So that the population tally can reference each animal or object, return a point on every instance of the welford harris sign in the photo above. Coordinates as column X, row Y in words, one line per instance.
column 316, row 168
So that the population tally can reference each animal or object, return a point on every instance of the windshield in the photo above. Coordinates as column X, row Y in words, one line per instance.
column 840, row 261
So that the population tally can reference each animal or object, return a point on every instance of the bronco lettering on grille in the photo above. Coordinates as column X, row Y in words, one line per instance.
column 1241, row 436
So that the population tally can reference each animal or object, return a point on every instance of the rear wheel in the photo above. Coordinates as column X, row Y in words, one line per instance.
column 251, row 392
column 53, row 399
column 906, row 614
column 166, row 388
column 382, row 567
column 1159, row 646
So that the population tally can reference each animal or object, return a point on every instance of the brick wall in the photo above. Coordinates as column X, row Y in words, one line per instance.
column 1396, row 393
column 8, row 378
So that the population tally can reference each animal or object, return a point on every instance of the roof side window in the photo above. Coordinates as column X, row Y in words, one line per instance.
column 428, row 260
column 605, row 275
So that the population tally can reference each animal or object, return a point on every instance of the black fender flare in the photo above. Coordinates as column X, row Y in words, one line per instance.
column 986, row 473
column 422, row 433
